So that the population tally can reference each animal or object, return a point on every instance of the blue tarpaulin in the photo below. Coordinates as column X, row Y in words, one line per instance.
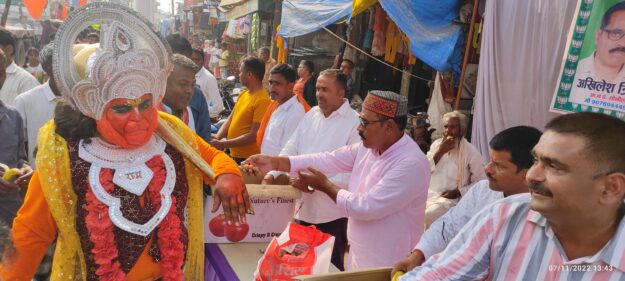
column 300, row 17
column 434, row 39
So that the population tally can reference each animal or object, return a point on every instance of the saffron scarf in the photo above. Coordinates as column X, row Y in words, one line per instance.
column 272, row 107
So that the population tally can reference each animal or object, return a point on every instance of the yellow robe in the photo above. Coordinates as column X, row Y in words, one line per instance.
column 49, row 212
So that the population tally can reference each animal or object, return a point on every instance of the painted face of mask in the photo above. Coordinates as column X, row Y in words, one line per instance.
column 129, row 123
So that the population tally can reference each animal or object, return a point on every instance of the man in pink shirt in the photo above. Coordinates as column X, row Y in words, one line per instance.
column 387, row 190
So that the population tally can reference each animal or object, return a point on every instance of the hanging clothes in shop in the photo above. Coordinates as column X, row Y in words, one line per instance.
column 406, row 44
column 368, row 38
column 239, row 28
column 354, row 33
column 379, row 30
column 393, row 39
column 281, row 44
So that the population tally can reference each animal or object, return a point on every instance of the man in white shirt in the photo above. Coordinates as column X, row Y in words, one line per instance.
column 326, row 127
column 17, row 80
column 37, row 105
column 385, row 198
column 208, row 85
column 456, row 165
column 214, row 62
column 511, row 157
column 283, row 114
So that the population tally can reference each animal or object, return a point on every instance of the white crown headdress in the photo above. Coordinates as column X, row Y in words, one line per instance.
column 132, row 59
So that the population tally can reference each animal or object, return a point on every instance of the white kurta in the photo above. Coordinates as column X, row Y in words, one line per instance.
column 384, row 201
column 459, row 168
column 210, row 89
column 18, row 81
column 317, row 133
column 36, row 107
column 281, row 126
column 444, row 229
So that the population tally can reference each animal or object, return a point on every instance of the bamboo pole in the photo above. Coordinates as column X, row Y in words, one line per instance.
column 254, row 190
column 5, row 14
column 467, row 50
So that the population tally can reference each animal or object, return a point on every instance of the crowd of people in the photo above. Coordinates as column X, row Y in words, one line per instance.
column 97, row 183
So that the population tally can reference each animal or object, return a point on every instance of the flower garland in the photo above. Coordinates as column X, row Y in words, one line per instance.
column 101, row 234
column 169, row 230
column 101, row 228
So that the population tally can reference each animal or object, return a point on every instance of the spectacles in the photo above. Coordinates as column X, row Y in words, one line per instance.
column 614, row 34
column 365, row 122
column 601, row 174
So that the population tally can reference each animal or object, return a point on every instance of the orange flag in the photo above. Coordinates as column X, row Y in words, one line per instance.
column 64, row 11
column 35, row 7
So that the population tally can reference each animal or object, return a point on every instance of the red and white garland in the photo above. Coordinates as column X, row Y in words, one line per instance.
column 101, row 229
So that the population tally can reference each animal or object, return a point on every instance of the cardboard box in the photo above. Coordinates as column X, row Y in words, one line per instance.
column 376, row 274
column 274, row 206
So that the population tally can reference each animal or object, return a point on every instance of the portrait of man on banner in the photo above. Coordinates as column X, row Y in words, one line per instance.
column 593, row 72
column 602, row 73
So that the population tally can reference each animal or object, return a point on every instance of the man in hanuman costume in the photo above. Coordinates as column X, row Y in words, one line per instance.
column 121, row 202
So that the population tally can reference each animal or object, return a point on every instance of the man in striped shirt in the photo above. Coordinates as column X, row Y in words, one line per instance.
column 510, row 158
column 570, row 226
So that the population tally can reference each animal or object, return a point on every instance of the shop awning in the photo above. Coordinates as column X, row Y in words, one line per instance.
column 234, row 9
column 300, row 17
column 434, row 38
column 20, row 30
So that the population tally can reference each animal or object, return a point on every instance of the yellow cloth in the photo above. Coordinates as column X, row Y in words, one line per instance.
column 411, row 59
column 393, row 39
column 281, row 45
column 250, row 108
column 359, row 6
column 225, row 56
column 50, row 209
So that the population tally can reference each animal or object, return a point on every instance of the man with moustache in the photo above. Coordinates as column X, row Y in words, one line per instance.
column 385, row 198
column 511, row 157
column 605, row 65
column 455, row 164
column 284, row 112
column 326, row 127
column 569, row 227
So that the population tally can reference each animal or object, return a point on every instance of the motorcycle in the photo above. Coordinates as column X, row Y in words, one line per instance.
column 418, row 128
column 229, row 93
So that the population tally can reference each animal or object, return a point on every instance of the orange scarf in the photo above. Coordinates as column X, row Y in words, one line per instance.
column 272, row 107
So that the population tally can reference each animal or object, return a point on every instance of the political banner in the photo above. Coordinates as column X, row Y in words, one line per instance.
column 592, row 76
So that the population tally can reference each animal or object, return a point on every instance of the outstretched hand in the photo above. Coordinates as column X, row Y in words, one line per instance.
column 230, row 192
column 257, row 165
column 314, row 178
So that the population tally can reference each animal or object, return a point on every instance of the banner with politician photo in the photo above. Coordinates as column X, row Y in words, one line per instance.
column 593, row 73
